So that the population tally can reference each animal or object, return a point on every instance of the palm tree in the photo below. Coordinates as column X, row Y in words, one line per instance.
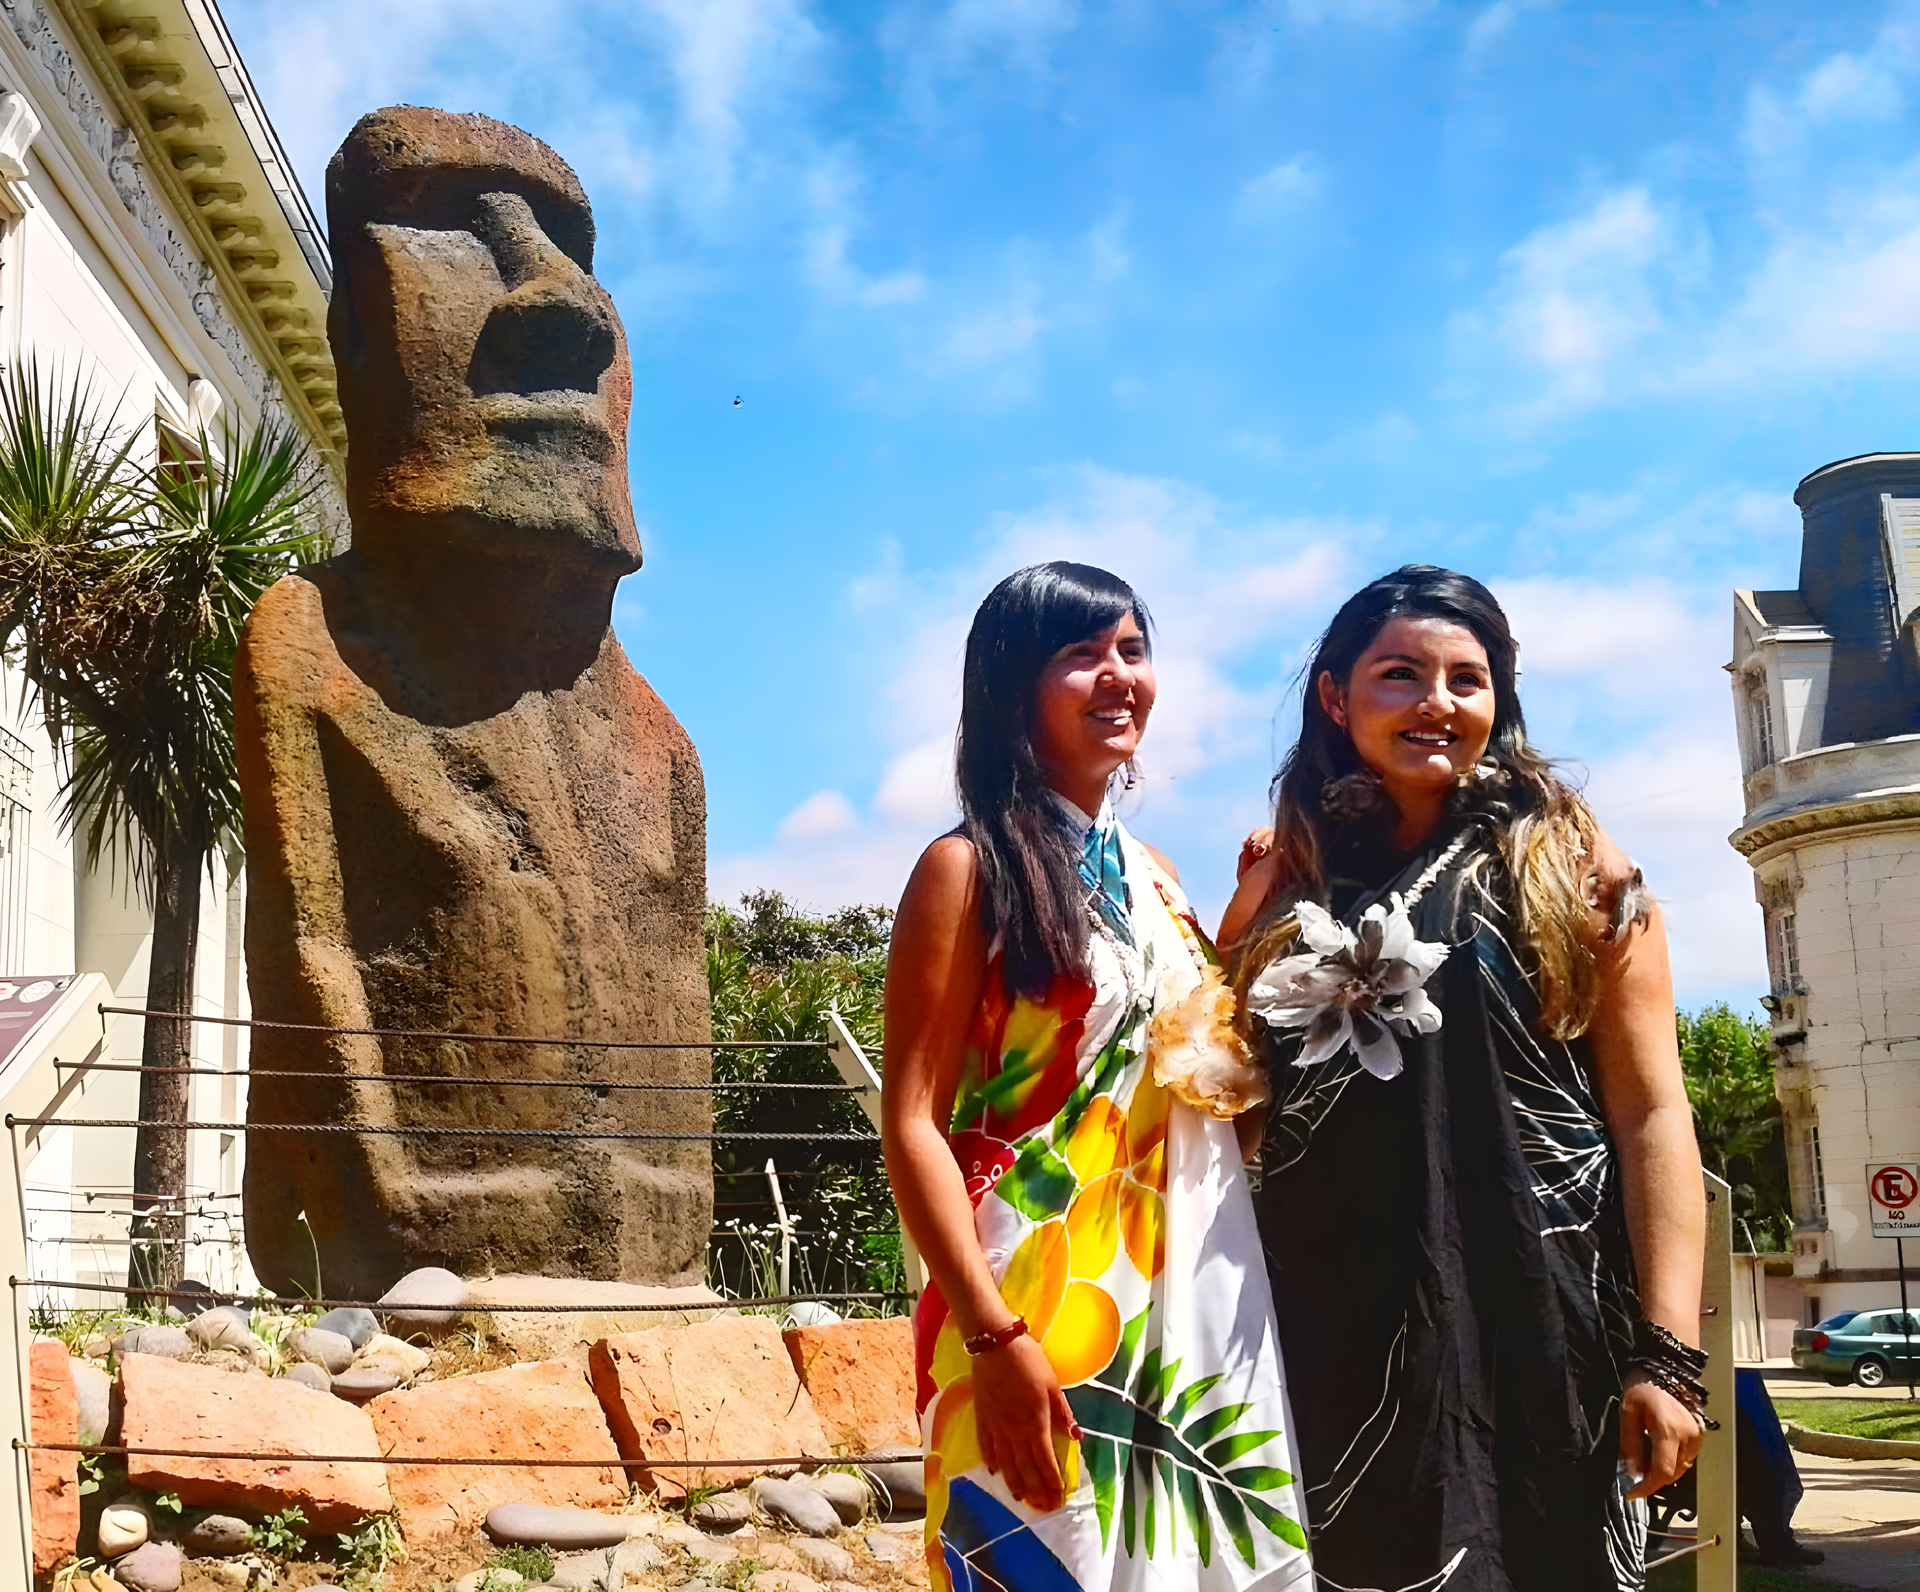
column 123, row 589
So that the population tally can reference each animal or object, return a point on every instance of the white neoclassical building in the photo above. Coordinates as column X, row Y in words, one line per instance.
column 1826, row 684
column 152, row 235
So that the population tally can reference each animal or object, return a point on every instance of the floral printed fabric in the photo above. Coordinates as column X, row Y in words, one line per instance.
column 1118, row 1222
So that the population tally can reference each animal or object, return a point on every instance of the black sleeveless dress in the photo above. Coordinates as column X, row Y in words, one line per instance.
column 1452, row 1275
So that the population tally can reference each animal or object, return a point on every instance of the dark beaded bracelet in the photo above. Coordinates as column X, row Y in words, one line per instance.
column 1673, row 1367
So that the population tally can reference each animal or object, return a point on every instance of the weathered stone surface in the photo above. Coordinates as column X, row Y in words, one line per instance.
column 124, row 1526
column 899, row 1477
column 93, row 1392
column 428, row 1296
column 782, row 1581
column 637, row 1556
column 848, row 1494
column 308, row 1375
column 588, row 1572
column 723, row 1389
column 170, row 1405
column 169, row 1343
column 464, row 809
column 211, row 1325
column 358, row 1384
column 827, row 1561
column 53, row 1416
column 709, row 1553
column 794, row 1505
column 550, row 1334
column 154, row 1567
column 231, row 1574
column 524, row 1412
column 554, row 1526
column 351, row 1322
column 328, row 1350
column 726, row 1511
column 407, row 1358
column 860, row 1377
column 217, row 1535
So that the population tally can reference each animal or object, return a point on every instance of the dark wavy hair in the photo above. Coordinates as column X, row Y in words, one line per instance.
column 1031, row 897
column 1546, row 834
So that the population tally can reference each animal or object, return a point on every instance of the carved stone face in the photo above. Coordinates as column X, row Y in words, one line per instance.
column 483, row 372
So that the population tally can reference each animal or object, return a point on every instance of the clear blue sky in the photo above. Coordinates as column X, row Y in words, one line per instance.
column 1248, row 303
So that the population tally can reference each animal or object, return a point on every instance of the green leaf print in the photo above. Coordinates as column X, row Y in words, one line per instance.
column 1148, row 1447
column 1039, row 1185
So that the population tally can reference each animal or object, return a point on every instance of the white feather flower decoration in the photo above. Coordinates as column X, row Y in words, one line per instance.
column 1352, row 987
column 1194, row 1052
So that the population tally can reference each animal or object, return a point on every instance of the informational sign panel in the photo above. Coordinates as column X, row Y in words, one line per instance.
column 1893, row 1195
column 23, row 1002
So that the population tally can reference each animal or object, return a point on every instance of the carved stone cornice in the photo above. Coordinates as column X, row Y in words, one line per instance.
column 187, row 195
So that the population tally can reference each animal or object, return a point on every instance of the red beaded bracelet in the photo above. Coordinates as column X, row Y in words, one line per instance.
column 981, row 1342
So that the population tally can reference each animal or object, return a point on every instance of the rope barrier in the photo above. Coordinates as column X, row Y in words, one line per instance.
column 427, row 1077
column 1681, row 1553
column 436, row 1132
column 472, row 1039
column 643, row 1463
column 303, row 1304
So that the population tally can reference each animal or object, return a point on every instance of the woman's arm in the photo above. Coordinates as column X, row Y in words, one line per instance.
column 1258, row 873
column 1637, row 1059
column 936, row 971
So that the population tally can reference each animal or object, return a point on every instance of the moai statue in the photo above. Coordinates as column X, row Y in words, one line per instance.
column 465, row 811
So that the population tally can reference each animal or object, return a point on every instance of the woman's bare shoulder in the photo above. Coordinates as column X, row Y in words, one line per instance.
column 945, row 881
column 1160, row 860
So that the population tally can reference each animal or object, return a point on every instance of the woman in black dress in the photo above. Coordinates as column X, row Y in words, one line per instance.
column 1481, row 1201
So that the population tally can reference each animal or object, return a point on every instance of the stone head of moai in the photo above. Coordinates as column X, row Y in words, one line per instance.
column 466, row 814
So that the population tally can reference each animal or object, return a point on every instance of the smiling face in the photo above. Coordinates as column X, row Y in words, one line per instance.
column 483, row 372
column 1419, row 705
column 1090, row 709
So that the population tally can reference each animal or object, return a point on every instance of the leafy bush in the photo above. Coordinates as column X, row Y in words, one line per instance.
column 1727, row 1060
column 281, row 1535
column 774, row 972
column 533, row 1564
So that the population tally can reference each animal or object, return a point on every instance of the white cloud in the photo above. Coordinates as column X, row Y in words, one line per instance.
column 1292, row 182
column 834, row 195
column 1575, row 296
column 1489, row 25
column 825, row 812
column 995, row 333
column 1107, row 249
column 1847, row 87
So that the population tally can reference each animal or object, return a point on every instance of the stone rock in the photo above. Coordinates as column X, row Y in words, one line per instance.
column 844, row 1586
column 93, row 1392
column 859, row 1375
column 325, row 1349
column 217, row 1536
column 606, row 1309
column 782, row 1581
column 727, row 1511
column 826, row 1561
column 124, row 1526
column 554, row 1526
column 501, row 830
column 721, row 1388
column 167, row 1343
column 170, row 1405
column 886, row 1549
column 97, row 1347
column 794, row 1505
column 155, row 1567
column 637, row 1556
column 429, row 1296
column 899, row 1478
column 504, row 1580
column 358, row 1383
column 53, row 1479
column 228, row 1573
column 848, row 1494
column 774, row 1554
column 522, row 1412
column 187, row 1309
column 408, row 1357
column 226, row 1328
column 307, row 1374
column 202, row 1322
column 708, row 1552
column 350, row 1322
column 588, row 1572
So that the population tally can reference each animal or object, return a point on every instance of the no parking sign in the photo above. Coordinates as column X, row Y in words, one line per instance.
column 1893, row 1196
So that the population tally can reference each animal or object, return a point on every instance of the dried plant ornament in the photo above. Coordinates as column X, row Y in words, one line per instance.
column 1195, row 1053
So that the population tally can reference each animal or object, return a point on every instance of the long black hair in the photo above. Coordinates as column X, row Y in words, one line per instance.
column 1546, row 835
column 1031, row 895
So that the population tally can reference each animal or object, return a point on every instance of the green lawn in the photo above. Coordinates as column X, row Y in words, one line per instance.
column 1892, row 1418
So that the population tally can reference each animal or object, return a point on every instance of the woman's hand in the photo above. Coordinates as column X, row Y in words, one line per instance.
column 1022, row 1416
column 1259, row 844
column 1659, row 1436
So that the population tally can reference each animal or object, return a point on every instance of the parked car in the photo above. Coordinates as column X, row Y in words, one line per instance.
column 1871, row 1347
